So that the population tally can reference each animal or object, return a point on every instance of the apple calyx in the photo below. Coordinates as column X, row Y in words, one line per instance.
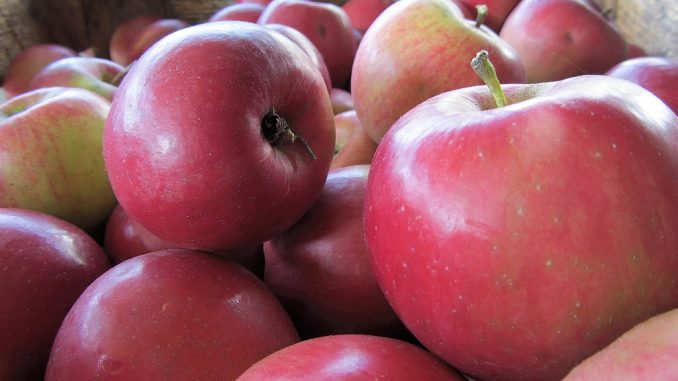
column 482, row 65
column 481, row 14
column 277, row 131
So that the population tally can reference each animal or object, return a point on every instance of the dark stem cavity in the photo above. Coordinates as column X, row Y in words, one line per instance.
column 277, row 131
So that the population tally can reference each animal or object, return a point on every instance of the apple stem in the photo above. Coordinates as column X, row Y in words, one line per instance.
column 277, row 131
column 482, row 65
column 481, row 14
column 117, row 79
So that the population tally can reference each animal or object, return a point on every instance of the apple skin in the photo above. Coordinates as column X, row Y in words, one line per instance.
column 170, row 315
column 52, row 161
column 363, row 12
column 528, row 236
column 326, row 25
column 125, row 238
column 659, row 75
column 308, row 47
column 648, row 351
column 46, row 263
column 498, row 11
column 558, row 39
column 23, row 67
column 249, row 12
column 89, row 73
column 353, row 146
column 342, row 100
column 125, row 34
column 320, row 268
column 399, row 65
column 351, row 357
column 193, row 166
column 151, row 34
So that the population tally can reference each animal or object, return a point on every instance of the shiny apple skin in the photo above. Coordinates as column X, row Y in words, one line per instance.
column 659, row 75
column 351, row 357
column 417, row 49
column 529, row 236
column 170, row 315
column 45, row 264
column 320, row 268
column 184, row 146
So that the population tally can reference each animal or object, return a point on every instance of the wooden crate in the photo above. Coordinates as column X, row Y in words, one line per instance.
column 79, row 24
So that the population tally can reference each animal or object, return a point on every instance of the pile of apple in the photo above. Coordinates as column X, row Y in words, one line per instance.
column 410, row 190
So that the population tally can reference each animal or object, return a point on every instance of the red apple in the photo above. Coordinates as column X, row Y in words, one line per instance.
column 124, row 36
column 557, row 39
column 23, row 67
column 320, row 268
column 634, row 51
column 363, row 12
column 51, row 150
column 94, row 74
column 45, row 264
column 497, row 11
column 649, row 351
column 308, row 47
column 125, row 238
column 417, row 49
column 341, row 99
column 350, row 357
column 353, row 145
column 516, row 241
column 249, row 12
column 151, row 34
column 209, row 137
column 326, row 25
column 659, row 75
column 170, row 315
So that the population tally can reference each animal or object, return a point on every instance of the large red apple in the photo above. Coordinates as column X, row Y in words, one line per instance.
column 45, row 264
column 320, row 268
column 659, row 75
column 27, row 63
column 417, row 49
column 557, row 39
column 649, row 351
column 125, row 34
column 52, row 160
column 350, row 357
column 220, row 136
column 170, row 315
column 516, row 241
column 326, row 25
column 98, row 75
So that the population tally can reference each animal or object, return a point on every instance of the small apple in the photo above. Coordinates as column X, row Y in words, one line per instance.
column 363, row 12
column 557, row 39
column 52, row 160
column 249, row 12
column 150, row 34
column 45, row 264
column 220, row 137
column 125, row 34
column 326, row 25
column 659, row 75
column 353, row 145
column 98, row 75
column 351, row 357
column 23, row 67
column 170, row 315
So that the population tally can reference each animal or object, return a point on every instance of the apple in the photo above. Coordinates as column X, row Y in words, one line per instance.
column 350, row 357
column 659, row 75
column 498, row 10
column 153, row 33
column 45, row 264
column 239, row 12
column 649, row 351
column 557, row 39
column 527, row 236
column 634, row 51
column 308, row 47
column 260, row 2
column 51, row 150
column 98, row 75
column 326, row 25
column 320, row 268
column 125, row 238
column 125, row 34
column 341, row 99
column 23, row 66
column 353, row 145
column 220, row 137
column 170, row 315
column 417, row 49
column 363, row 12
